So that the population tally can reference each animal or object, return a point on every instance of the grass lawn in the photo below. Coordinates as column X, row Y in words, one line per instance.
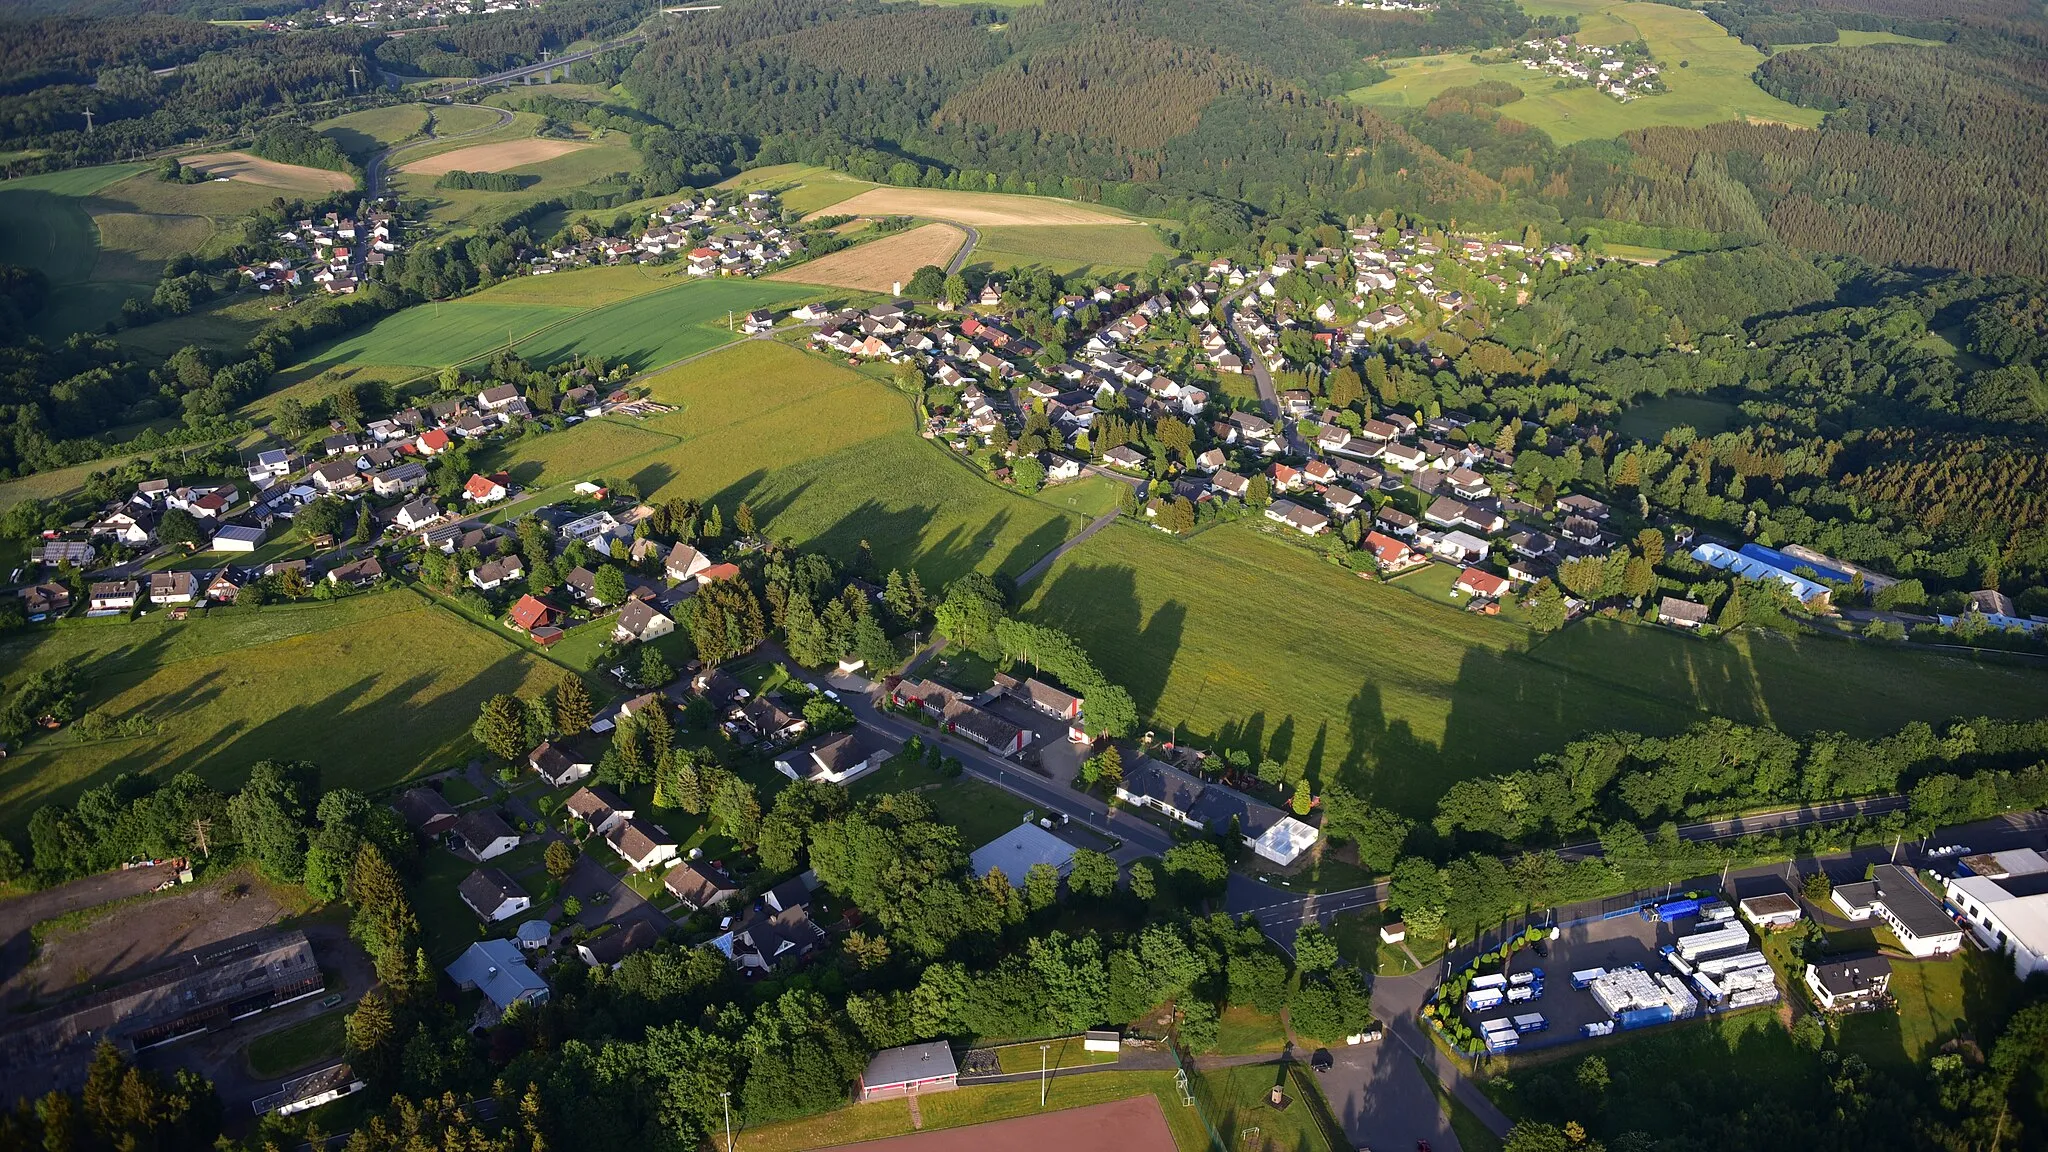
column 1244, row 1031
column 1713, row 86
column 1938, row 1001
column 225, row 325
column 574, row 454
column 373, row 689
column 296, row 1047
column 447, row 925
column 1238, row 637
column 1090, row 496
column 362, row 134
column 1068, row 249
column 1066, row 1052
column 1358, row 942
column 980, row 1104
column 981, row 811
column 458, row 790
column 1649, row 421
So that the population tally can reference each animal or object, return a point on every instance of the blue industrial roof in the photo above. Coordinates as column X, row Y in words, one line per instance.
column 1777, row 559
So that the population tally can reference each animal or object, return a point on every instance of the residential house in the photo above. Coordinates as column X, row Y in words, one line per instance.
column 774, row 942
column 58, row 553
column 134, row 529
column 769, row 720
column 1271, row 833
column 1586, row 506
column 239, row 537
column 609, row 949
column 1843, row 985
column 1481, row 584
column 491, row 574
column 1211, row 461
column 357, row 573
column 417, row 514
column 480, row 489
column 1054, row 702
column 425, row 810
column 685, row 563
column 484, row 835
column 560, row 763
column 700, row 884
column 1461, row 547
column 337, row 476
column 640, row 844
column 1393, row 556
column 493, row 895
column 1302, row 520
column 531, row 613
column 638, row 621
column 832, row 759
column 1681, row 613
column 598, row 807
column 498, row 398
column 399, row 480
column 1230, row 483
column 173, row 587
column 956, row 714
column 1126, row 457
column 112, row 597
column 40, row 602
column 497, row 969
column 1395, row 521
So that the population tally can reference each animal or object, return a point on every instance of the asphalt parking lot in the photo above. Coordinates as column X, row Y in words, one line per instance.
column 1615, row 943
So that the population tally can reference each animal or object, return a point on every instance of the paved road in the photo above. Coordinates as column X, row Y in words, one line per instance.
column 959, row 259
column 1254, row 363
column 544, row 66
column 1079, row 538
column 373, row 172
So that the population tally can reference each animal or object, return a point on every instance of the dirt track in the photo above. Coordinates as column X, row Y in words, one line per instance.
column 984, row 209
column 269, row 173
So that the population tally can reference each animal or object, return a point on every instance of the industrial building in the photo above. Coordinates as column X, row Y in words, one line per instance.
column 190, row 994
column 2003, row 899
column 1894, row 895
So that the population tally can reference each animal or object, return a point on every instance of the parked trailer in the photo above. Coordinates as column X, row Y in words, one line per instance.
column 1531, row 1022
column 1484, row 998
column 1722, row 965
column 1524, row 993
column 1644, row 1017
column 1500, row 1041
column 1671, row 910
column 1493, row 980
column 1586, row 976
column 1716, row 912
column 1719, row 940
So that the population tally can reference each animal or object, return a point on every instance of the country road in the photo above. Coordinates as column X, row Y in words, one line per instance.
column 373, row 172
column 959, row 259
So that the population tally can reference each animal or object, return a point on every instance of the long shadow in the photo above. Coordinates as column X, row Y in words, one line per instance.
column 1037, row 545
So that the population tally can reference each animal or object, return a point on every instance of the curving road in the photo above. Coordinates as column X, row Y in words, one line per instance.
column 373, row 172
column 959, row 259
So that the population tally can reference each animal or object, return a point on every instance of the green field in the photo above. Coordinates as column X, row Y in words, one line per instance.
column 1238, row 637
column 661, row 327
column 1649, row 420
column 1067, row 249
column 362, row 134
column 804, row 188
column 1852, row 38
column 373, row 689
column 1714, row 85
column 551, row 179
column 439, row 334
column 826, row 456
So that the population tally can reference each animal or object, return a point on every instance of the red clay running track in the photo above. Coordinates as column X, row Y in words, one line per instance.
column 1134, row 1125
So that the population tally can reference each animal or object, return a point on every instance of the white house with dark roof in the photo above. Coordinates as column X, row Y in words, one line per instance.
column 833, row 759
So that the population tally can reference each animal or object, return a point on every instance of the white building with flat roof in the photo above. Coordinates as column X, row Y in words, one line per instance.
column 2006, row 908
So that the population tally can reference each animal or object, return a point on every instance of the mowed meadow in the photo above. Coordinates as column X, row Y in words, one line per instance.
column 1238, row 637
column 374, row 689
column 827, row 457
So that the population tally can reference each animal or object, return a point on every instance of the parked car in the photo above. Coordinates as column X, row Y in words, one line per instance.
column 1321, row 1061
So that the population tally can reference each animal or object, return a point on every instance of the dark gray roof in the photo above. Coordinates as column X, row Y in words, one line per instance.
column 1856, row 974
column 1905, row 898
column 910, row 1062
column 486, row 888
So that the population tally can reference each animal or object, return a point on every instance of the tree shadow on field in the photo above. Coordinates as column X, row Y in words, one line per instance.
column 1098, row 605
column 651, row 478
column 1036, row 546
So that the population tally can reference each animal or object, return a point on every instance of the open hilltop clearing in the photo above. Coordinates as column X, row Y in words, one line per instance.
column 1713, row 85
column 880, row 265
column 102, row 234
column 373, row 688
column 498, row 157
column 270, row 173
column 1401, row 697
column 827, row 458
column 1068, row 249
column 363, row 134
column 804, row 188
column 974, row 208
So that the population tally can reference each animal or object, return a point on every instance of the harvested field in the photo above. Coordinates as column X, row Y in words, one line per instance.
column 975, row 208
column 269, row 173
column 879, row 264
column 494, row 157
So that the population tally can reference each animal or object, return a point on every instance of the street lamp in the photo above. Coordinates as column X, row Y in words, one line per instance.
column 1041, row 1077
column 725, row 1101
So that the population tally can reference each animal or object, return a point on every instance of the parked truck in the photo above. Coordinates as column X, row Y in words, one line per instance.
column 1530, row 1022
column 1671, row 910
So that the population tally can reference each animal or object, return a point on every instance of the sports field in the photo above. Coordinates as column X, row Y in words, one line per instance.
column 1713, row 84
column 991, row 209
column 1238, row 637
column 879, row 265
column 373, row 688
column 1067, row 249
column 270, row 174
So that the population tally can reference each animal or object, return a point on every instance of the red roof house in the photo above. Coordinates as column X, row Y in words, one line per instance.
column 531, row 613
column 433, row 442
column 1481, row 583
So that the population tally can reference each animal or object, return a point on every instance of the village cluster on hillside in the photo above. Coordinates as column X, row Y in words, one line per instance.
column 1624, row 72
column 336, row 252
column 733, row 237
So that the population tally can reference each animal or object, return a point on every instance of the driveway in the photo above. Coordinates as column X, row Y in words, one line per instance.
column 589, row 880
